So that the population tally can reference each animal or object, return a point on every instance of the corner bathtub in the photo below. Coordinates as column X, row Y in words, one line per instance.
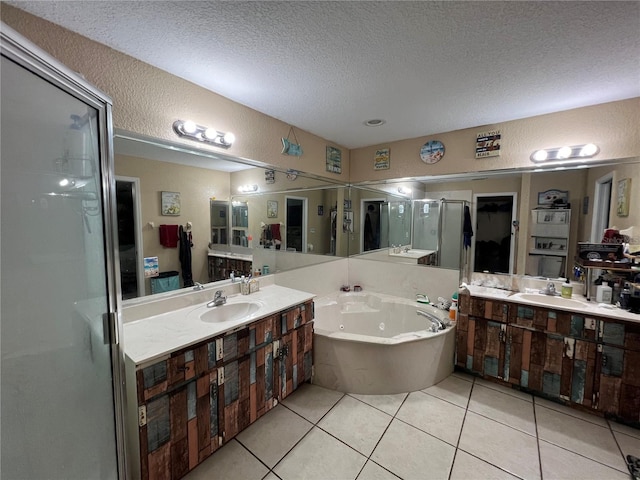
column 371, row 343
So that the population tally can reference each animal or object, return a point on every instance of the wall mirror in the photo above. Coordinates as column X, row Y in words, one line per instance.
column 221, row 219
column 501, row 207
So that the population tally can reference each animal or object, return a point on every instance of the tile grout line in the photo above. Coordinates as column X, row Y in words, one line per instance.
column 464, row 418
column 535, row 420
column 271, row 470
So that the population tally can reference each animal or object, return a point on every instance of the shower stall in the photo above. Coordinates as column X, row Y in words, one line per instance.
column 438, row 225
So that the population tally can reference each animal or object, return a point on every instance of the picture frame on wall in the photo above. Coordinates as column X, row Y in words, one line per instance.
column 624, row 191
column 334, row 160
column 170, row 203
column 272, row 209
column 381, row 159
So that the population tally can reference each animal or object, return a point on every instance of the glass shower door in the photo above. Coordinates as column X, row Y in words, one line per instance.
column 57, row 407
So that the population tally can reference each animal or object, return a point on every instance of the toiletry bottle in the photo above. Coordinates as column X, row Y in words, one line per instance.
column 453, row 309
column 603, row 294
column 567, row 289
column 624, row 297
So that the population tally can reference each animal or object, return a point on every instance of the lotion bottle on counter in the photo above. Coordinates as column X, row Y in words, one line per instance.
column 567, row 289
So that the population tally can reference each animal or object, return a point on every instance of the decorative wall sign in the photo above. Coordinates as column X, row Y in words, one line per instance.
column 381, row 159
column 432, row 151
column 290, row 148
column 488, row 144
column 272, row 209
column 292, row 174
column 553, row 197
column 170, row 202
column 151, row 267
column 334, row 160
column 624, row 190
column 270, row 176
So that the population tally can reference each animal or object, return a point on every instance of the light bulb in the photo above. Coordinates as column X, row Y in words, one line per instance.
column 210, row 133
column 540, row 156
column 64, row 182
column 588, row 150
column 564, row 152
column 189, row 127
column 229, row 138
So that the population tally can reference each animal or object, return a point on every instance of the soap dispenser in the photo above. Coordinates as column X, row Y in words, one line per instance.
column 567, row 289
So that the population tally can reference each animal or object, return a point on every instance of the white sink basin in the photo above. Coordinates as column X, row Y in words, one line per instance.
column 550, row 300
column 229, row 312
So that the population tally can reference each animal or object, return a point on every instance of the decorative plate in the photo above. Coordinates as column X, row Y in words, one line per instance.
column 432, row 151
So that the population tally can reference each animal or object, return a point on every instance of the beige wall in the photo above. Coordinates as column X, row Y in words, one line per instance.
column 197, row 186
column 147, row 100
column 614, row 127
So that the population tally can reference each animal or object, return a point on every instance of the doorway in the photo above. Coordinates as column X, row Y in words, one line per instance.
column 296, row 224
column 601, row 207
column 129, row 237
column 371, row 228
column 493, row 248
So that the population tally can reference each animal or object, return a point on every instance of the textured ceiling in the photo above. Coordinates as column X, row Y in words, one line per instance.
column 424, row 67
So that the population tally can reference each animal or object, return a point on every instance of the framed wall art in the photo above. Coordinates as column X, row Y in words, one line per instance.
column 624, row 190
column 170, row 203
column 334, row 160
column 381, row 159
column 272, row 209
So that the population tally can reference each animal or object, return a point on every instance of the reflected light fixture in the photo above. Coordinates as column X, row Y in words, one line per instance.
column 248, row 188
column 199, row 133
column 565, row 153
column 404, row 191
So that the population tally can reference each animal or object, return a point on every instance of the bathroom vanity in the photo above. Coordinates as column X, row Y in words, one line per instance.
column 569, row 351
column 194, row 382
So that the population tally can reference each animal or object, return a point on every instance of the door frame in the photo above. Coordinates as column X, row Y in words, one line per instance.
column 474, row 222
column 137, row 220
column 305, row 219
column 599, row 203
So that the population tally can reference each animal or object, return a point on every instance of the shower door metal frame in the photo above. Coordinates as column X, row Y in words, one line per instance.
column 23, row 52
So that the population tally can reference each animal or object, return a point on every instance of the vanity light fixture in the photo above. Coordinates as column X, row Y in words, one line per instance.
column 199, row 133
column 248, row 188
column 564, row 153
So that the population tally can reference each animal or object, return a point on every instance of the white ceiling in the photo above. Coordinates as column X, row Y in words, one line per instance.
column 424, row 67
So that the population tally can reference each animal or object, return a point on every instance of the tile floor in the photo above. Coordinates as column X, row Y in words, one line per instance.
column 462, row 428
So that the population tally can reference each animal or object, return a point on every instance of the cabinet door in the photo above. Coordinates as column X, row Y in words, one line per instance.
column 294, row 358
column 179, row 429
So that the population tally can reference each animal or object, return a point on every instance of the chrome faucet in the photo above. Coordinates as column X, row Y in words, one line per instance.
column 436, row 323
column 218, row 300
column 232, row 276
column 549, row 290
column 198, row 286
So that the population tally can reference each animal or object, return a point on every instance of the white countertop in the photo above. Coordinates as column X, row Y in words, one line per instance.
column 240, row 256
column 413, row 253
column 154, row 337
column 584, row 307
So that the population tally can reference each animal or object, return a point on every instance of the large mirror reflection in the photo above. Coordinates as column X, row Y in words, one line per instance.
column 246, row 218
column 502, row 232
column 287, row 219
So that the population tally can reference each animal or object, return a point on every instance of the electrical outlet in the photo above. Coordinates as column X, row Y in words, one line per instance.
column 142, row 416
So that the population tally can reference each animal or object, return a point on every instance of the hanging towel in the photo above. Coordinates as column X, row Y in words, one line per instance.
column 169, row 236
column 185, row 257
column 467, row 230
column 275, row 231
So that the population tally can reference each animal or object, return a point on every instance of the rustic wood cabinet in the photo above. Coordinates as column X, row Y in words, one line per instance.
column 199, row 398
column 592, row 362
column 220, row 268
